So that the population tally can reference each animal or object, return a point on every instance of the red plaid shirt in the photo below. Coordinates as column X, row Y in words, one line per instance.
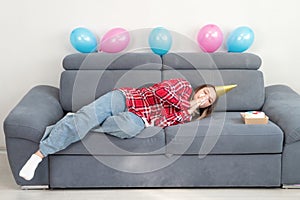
column 163, row 104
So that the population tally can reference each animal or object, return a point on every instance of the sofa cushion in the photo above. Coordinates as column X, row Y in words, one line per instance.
column 248, row 95
column 223, row 133
column 150, row 141
column 89, row 76
column 218, row 60
column 112, row 61
column 81, row 87
column 220, row 69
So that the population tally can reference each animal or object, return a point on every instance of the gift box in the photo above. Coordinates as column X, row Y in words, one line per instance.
column 254, row 117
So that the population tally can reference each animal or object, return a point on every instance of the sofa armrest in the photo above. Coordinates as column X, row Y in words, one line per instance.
column 282, row 105
column 38, row 109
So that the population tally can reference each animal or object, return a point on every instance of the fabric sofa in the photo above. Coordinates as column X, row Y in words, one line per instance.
column 218, row 151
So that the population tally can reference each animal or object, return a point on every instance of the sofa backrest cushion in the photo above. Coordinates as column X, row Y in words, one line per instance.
column 88, row 76
column 220, row 60
column 112, row 61
column 221, row 69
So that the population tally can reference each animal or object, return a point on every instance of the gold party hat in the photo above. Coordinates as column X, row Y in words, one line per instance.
column 221, row 90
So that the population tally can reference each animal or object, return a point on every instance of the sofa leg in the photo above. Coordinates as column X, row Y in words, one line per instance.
column 293, row 186
column 35, row 187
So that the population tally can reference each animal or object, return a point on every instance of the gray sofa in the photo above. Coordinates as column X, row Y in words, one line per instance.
column 218, row 151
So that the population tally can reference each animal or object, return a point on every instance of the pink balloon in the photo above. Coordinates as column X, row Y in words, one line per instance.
column 115, row 40
column 210, row 38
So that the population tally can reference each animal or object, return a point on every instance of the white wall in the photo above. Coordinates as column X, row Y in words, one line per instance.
column 35, row 34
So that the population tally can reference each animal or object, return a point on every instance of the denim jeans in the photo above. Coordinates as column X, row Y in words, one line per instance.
column 106, row 114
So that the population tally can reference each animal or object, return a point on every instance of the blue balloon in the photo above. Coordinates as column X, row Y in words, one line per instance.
column 83, row 40
column 160, row 40
column 240, row 39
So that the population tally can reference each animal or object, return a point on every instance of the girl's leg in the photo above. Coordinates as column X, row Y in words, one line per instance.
column 123, row 125
column 73, row 127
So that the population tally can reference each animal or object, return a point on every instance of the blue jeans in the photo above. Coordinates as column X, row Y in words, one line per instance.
column 106, row 114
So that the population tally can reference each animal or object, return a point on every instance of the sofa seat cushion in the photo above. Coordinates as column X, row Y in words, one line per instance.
column 150, row 141
column 223, row 133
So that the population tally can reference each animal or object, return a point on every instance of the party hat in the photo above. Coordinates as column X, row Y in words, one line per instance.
column 221, row 90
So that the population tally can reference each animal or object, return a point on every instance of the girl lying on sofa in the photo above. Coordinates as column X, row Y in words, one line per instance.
column 124, row 113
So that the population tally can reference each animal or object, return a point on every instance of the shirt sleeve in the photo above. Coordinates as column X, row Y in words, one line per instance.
column 176, row 118
column 175, row 92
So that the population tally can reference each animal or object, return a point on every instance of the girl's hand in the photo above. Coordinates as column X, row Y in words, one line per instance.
column 194, row 104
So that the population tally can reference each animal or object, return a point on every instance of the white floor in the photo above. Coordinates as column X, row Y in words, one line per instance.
column 10, row 191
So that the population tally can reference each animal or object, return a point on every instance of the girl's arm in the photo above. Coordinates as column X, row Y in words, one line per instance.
column 175, row 92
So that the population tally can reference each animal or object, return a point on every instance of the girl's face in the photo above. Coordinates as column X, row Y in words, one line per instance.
column 205, row 96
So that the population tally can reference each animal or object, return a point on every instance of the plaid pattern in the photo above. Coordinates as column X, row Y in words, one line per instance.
column 163, row 104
